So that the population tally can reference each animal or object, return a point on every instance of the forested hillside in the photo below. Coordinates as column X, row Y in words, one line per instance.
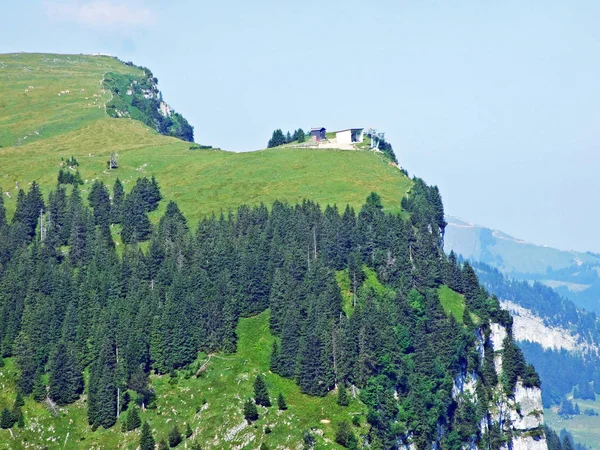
column 71, row 306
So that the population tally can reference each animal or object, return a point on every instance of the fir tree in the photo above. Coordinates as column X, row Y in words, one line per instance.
column 133, row 420
column 261, row 394
column 174, row 437
column 39, row 388
column 250, row 411
column 116, row 209
column 146, row 439
column 65, row 378
column 342, row 398
column 344, row 435
column 19, row 401
column 6, row 419
column 281, row 404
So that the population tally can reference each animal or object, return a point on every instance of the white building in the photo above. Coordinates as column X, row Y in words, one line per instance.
column 349, row 136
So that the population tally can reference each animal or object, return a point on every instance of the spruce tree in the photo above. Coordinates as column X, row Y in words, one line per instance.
column 19, row 401
column 146, row 439
column 281, row 404
column 116, row 209
column 342, row 398
column 133, row 420
column 39, row 388
column 174, row 437
column 65, row 377
column 261, row 394
column 6, row 419
column 250, row 411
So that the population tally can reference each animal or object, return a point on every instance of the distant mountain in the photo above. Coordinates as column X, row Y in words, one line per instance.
column 574, row 275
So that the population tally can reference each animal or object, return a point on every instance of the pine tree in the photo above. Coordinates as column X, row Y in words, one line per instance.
column 6, row 419
column 19, row 401
column 281, row 404
column 65, row 377
column 133, row 420
column 342, row 398
column 146, row 439
column 17, row 416
column 273, row 360
column 261, row 394
column 174, row 437
column 39, row 388
column 250, row 411
column 116, row 210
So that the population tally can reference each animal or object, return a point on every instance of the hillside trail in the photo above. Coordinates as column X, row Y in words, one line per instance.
column 111, row 94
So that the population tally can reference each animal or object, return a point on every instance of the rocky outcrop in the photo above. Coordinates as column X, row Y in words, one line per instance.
column 520, row 415
column 528, row 326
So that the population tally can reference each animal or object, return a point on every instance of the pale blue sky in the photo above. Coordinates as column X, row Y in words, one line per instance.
column 495, row 102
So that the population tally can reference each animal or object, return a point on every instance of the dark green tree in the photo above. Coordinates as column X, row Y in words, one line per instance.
column 342, row 398
column 133, row 420
column 261, row 394
column 250, row 411
column 174, row 437
column 281, row 404
column 116, row 209
column 65, row 377
column 6, row 419
column 146, row 439
column 162, row 445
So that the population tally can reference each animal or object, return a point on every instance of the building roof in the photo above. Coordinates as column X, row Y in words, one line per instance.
column 349, row 129
column 317, row 129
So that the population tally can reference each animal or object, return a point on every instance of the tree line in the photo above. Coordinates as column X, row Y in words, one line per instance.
column 69, row 301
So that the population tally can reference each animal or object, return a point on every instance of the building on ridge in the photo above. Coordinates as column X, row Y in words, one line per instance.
column 318, row 134
column 349, row 135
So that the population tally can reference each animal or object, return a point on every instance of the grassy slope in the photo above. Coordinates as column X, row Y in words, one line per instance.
column 453, row 302
column 585, row 429
column 201, row 181
column 226, row 383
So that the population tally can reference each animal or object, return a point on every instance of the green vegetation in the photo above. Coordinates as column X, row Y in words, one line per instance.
column 118, row 311
column 137, row 97
column 453, row 302
column 207, row 403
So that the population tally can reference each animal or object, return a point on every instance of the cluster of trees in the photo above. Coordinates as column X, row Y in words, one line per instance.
column 64, row 309
column 562, row 441
column 279, row 138
column 141, row 106
column 67, row 177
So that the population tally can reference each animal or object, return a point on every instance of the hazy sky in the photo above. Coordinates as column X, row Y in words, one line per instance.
column 495, row 102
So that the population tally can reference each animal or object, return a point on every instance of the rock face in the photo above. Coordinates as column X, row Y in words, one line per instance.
column 527, row 326
column 520, row 415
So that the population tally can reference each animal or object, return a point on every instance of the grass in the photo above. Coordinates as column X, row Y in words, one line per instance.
column 452, row 302
column 201, row 181
column 585, row 429
column 211, row 404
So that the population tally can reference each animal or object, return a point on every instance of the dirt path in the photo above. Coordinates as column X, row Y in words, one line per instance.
column 111, row 94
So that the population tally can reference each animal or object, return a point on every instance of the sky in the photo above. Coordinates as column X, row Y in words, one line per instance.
column 497, row 103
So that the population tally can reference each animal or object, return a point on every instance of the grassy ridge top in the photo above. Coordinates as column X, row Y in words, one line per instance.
column 41, row 112
column 201, row 181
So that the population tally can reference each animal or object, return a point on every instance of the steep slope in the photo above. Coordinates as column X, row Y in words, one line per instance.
column 174, row 327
